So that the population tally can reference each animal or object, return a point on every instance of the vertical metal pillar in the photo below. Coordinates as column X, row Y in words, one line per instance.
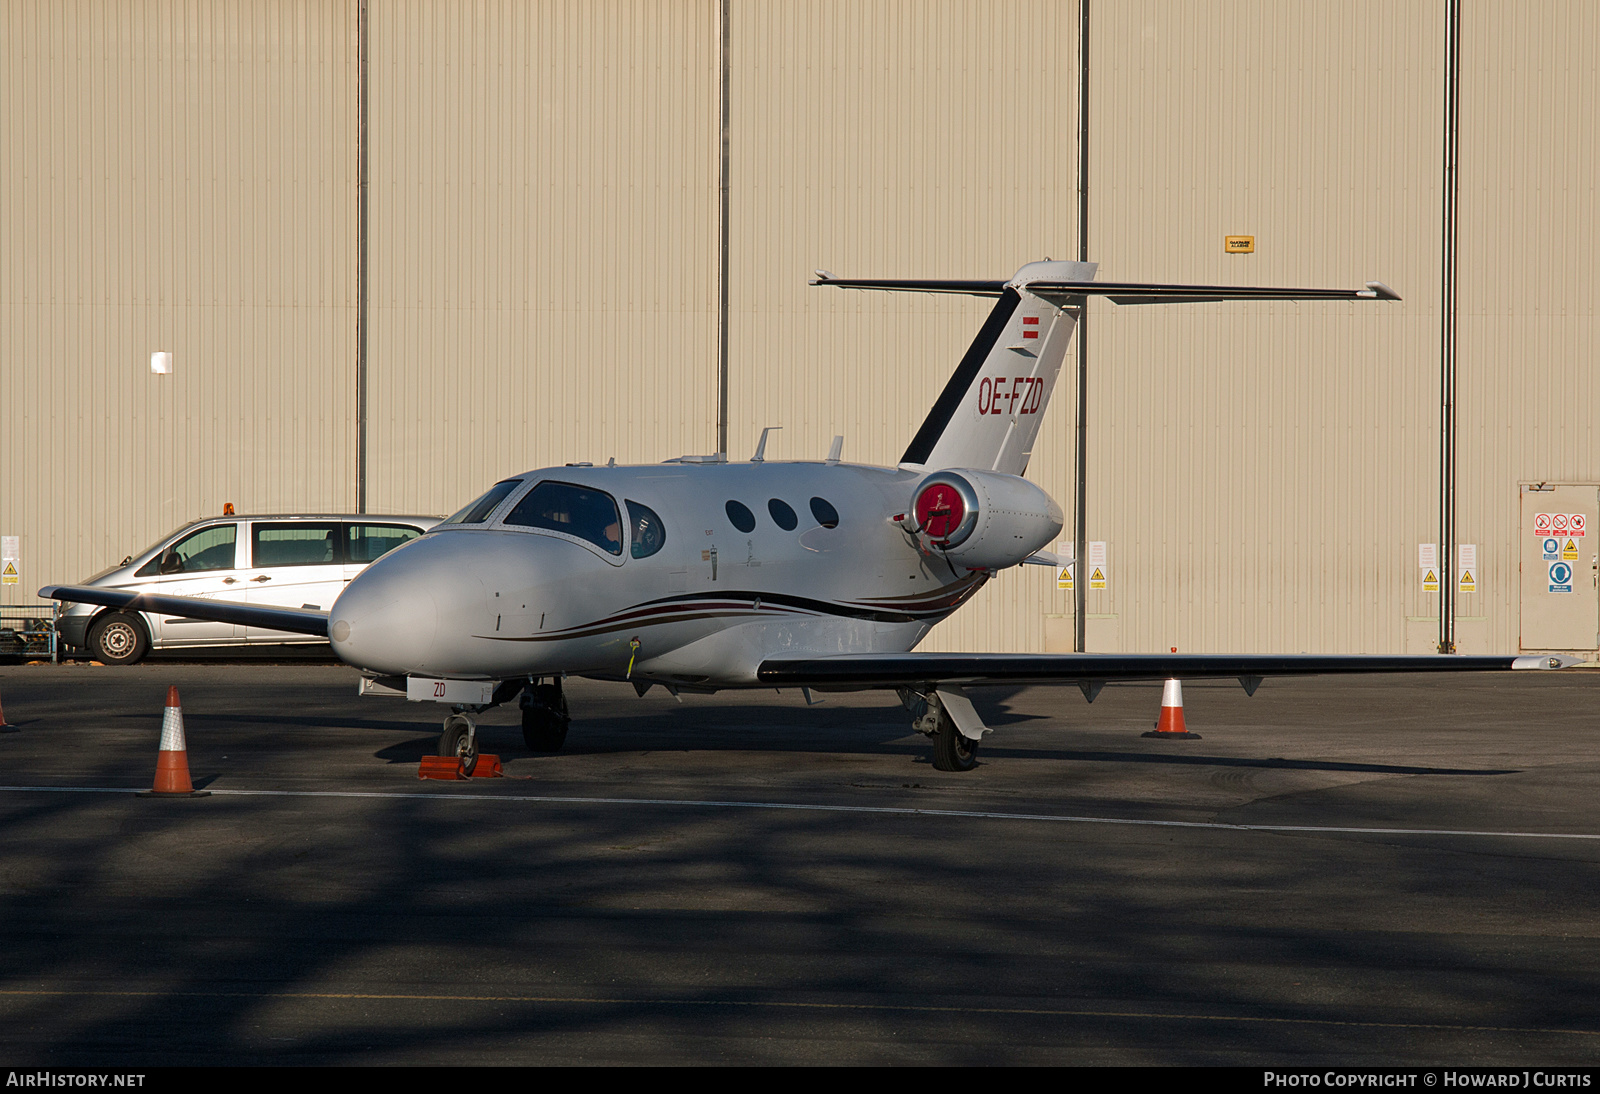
column 361, row 256
column 722, row 251
column 1081, row 548
column 1447, row 339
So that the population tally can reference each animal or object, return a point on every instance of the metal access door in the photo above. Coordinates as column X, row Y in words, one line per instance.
column 1559, row 545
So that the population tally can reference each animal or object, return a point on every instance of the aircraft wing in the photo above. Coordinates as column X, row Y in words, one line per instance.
column 1089, row 670
column 297, row 620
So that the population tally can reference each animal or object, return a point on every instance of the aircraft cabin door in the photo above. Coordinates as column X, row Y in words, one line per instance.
column 1559, row 546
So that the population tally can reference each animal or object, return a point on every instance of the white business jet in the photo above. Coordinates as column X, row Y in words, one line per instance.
column 702, row 574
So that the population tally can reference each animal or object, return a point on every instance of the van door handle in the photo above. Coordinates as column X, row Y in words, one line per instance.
column 262, row 578
column 230, row 581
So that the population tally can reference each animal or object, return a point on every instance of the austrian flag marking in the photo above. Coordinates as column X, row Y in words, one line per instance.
column 1030, row 326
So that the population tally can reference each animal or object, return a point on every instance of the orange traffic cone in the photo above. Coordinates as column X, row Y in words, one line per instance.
column 1170, row 725
column 172, row 762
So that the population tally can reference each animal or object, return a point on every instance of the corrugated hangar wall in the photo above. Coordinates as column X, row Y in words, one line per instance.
column 544, row 263
column 173, row 177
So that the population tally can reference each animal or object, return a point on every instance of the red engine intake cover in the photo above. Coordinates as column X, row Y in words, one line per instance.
column 939, row 510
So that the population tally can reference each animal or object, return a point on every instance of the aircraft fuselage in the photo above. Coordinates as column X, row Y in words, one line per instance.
column 494, row 600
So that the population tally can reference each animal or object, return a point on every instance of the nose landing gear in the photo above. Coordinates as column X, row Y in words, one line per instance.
column 460, row 739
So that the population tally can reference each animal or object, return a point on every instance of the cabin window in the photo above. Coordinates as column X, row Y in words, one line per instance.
column 575, row 510
column 826, row 515
column 296, row 545
column 782, row 515
column 742, row 518
column 649, row 534
column 479, row 511
column 369, row 542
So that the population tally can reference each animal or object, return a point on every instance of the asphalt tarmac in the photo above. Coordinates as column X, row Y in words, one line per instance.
column 1360, row 871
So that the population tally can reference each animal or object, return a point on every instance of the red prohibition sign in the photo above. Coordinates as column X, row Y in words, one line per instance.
column 1541, row 524
column 1560, row 522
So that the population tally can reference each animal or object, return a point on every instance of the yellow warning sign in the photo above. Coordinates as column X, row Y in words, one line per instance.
column 1569, row 551
column 1430, row 581
column 1467, row 583
column 1097, row 580
column 8, row 576
column 1064, row 578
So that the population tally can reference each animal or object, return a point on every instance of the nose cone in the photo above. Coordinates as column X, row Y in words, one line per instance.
column 393, row 617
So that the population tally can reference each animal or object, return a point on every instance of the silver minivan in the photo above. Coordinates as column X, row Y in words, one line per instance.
column 285, row 561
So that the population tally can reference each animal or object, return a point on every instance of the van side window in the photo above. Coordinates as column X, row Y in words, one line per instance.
column 208, row 549
column 296, row 545
column 575, row 510
column 369, row 542
column 649, row 534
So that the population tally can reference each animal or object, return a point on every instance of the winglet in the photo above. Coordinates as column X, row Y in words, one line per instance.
column 1377, row 290
column 1546, row 661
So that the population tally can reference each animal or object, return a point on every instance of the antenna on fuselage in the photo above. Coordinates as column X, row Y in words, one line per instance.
column 837, row 450
column 761, row 448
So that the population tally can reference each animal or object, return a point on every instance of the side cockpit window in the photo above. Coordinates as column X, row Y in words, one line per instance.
column 649, row 534
column 576, row 510
column 479, row 511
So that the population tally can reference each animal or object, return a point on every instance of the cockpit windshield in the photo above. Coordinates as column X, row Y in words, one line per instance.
column 479, row 511
column 576, row 510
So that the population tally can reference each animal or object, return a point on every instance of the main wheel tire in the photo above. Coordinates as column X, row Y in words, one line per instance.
column 119, row 639
column 951, row 750
column 459, row 741
column 545, row 719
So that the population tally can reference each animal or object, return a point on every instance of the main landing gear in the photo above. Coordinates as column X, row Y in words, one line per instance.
column 952, row 749
column 544, row 716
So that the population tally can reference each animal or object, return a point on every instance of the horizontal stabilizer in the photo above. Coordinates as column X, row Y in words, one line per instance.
column 968, row 288
column 873, row 670
column 296, row 620
column 1132, row 293
column 1126, row 292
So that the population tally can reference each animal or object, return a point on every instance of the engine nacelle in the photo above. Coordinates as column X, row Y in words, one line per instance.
column 982, row 520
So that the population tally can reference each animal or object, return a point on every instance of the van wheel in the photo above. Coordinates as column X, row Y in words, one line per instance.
column 119, row 639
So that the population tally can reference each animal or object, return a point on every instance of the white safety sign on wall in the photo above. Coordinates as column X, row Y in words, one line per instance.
column 1560, row 524
column 1560, row 577
column 9, row 561
column 1097, row 564
column 1467, row 567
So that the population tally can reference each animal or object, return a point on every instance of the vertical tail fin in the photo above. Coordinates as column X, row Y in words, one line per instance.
column 989, row 413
